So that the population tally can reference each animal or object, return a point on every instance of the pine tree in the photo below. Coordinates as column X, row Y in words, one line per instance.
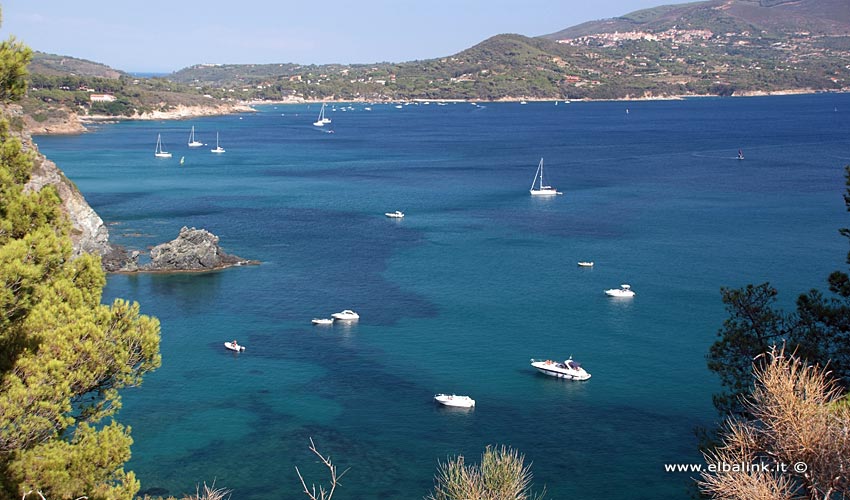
column 63, row 355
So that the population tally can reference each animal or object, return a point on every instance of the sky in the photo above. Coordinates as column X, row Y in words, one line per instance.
column 164, row 36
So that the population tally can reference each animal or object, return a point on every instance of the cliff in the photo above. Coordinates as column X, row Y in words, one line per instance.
column 193, row 250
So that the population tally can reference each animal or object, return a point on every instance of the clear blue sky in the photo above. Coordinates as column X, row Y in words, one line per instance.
column 164, row 36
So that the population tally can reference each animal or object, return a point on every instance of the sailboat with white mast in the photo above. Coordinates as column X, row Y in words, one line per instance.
column 218, row 148
column 159, row 152
column 192, row 142
column 322, row 121
column 542, row 189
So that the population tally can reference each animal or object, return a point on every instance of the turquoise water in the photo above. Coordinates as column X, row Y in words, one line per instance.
column 460, row 294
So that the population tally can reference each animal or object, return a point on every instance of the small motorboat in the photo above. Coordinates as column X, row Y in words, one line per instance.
column 398, row 214
column 569, row 369
column 322, row 321
column 740, row 154
column 585, row 264
column 623, row 291
column 346, row 315
column 454, row 400
column 233, row 346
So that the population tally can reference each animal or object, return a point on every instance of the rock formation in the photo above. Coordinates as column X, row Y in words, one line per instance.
column 192, row 250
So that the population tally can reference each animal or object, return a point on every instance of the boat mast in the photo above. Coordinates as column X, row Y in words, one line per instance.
column 541, row 174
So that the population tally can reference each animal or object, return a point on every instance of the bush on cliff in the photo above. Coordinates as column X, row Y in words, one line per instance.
column 63, row 355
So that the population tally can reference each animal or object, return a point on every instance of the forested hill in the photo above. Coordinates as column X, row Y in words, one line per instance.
column 55, row 65
column 719, row 47
column 818, row 17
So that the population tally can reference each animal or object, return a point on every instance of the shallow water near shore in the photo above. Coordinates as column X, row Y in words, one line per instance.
column 456, row 297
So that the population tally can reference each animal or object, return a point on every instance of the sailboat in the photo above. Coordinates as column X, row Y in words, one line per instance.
column 218, row 148
column 322, row 121
column 192, row 142
column 542, row 188
column 159, row 152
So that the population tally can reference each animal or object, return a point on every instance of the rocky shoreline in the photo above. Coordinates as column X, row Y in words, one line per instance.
column 72, row 123
column 194, row 250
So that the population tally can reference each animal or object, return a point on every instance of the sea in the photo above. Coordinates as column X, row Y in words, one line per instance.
column 457, row 297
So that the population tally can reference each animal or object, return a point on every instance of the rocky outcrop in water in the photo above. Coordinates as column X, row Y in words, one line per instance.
column 192, row 250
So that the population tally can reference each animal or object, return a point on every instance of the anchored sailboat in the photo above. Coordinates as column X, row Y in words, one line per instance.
column 192, row 142
column 322, row 121
column 218, row 148
column 158, row 152
column 542, row 188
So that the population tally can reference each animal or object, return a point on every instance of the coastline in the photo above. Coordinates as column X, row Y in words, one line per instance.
column 75, row 124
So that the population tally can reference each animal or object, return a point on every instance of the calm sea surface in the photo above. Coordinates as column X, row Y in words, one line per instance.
column 478, row 278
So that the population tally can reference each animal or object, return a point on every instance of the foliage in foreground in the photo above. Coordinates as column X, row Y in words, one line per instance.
column 798, row 441
column 501, row 475
column 818, row 331
column 63, row 355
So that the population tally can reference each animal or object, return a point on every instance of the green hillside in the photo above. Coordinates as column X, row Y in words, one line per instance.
column 715, row 47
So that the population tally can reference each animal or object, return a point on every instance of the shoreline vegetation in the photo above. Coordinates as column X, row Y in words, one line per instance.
column 73, row 123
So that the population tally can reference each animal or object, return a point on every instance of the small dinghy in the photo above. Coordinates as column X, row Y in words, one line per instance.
column 233, row 346
column 322, row 321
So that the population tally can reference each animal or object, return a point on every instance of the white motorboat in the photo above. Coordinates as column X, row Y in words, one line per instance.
column 398, row 214
column 569, row 369
column 585, row 264
column 233, row 346
column 346, row 315
column 541, row 189
column 322, row 321
column 159, row 152
column 454, row 400
column 623, row 291
column 740, row 154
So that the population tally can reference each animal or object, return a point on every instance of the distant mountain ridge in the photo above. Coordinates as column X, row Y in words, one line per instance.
column 822, row 17
column 714, row 47
column 55, row 65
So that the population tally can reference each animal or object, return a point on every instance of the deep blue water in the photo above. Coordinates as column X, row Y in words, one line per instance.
column 456, row 297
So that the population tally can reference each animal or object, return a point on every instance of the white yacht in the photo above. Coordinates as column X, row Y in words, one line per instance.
column 322, row 321
column 541, row 189
column 218, row 148
column 192, row 142
column 569, row 369
column 398, row 214
column 321, row 121
column 346, row 315
column 585, row 264
column 623, row 291
column 454, row 400
column 159, row 152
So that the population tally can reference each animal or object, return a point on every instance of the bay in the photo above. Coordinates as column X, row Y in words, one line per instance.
column 478, row 278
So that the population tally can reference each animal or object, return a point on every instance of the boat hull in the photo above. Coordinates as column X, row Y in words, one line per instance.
column 455, row 401
column 554, row 370
column 346, row 316
column 237, row 348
